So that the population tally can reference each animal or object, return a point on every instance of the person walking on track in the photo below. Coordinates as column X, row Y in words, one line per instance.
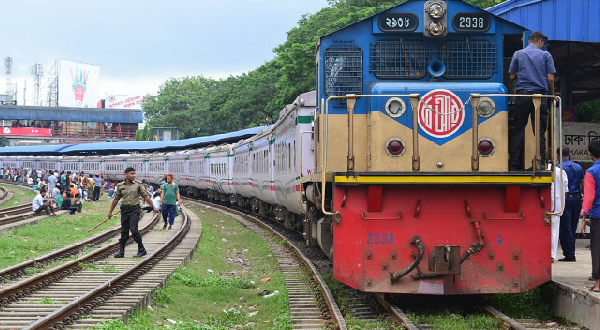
column 129, row 192
column 169, row 200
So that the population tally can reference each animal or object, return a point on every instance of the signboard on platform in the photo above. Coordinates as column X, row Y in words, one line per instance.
column 124, row 102
column 577, row 136
column 25, row 131
column 78, row 84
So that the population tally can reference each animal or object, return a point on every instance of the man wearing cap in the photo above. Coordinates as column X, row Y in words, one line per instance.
column 129, row 191
column 533, row 68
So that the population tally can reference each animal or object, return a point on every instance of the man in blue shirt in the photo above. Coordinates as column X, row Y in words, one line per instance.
column 570, row 217
column 534, row 70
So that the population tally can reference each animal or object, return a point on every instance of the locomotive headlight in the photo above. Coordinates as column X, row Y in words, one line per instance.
column 395, row 107
column 486, row 107
column 395, row 147
column 436, row 28
column 486, row 147
column 436, row 10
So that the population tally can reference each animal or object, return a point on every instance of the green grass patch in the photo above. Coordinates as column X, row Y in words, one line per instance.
column 21, row 195
column 454, row 320
column 526, row 305
column 46, row 301
column 217, row 288
column 49, row 234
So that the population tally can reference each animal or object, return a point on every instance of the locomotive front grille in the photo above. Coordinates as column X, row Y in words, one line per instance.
column 469, row 59
column 464, row 59
column 343, row 70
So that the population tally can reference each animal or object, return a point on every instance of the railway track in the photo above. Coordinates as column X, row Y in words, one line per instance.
column 20, row 270
column 362, row 306
column 311, row 304
column 5, row 195
column 95, row 287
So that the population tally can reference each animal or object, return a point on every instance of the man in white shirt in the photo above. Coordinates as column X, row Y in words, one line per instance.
column 51, row 181
column 557, row 194
column 40, row 204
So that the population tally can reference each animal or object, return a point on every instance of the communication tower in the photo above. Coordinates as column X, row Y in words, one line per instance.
column 9, row 87
column 37, row 72
column 53, row 86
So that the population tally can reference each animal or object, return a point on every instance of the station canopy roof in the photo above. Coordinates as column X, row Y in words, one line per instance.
column 573, row 31
column 104, row 148
column 99, row 115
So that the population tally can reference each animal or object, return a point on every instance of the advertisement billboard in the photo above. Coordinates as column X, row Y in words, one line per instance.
column 78, row 84
column 25, row 131
column 124, row 102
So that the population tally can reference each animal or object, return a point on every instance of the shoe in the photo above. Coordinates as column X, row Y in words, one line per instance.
column 165, row 226
column 120, row 254
column 170, row 227
column 552, row 260
column 567, row 259
column 141, row 253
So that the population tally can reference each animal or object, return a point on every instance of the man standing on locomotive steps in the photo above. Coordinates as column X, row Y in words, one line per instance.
column 130, row 191
column 534, row 70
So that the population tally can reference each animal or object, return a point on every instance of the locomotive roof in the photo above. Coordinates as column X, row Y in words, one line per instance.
column 393, row 9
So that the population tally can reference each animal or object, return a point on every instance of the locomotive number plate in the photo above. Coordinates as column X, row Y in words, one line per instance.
column 471, row 22
column 397, row 22
column 380, row 238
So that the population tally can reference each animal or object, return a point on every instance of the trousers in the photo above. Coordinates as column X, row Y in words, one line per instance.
column 519, row 115
column 129, row 222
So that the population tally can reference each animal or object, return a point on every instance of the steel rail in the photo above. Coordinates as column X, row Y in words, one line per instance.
column 334, row 311
column 396, row 313
column 18, row 270
column 22, row 288
column 508, row 322
column 84, row 304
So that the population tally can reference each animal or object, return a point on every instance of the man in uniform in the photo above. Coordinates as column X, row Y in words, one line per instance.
column 130, row 191
column 570, row 217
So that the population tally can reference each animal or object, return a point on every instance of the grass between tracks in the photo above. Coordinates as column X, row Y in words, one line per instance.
column 52, row 233
column 21, row 195
column 218, row 288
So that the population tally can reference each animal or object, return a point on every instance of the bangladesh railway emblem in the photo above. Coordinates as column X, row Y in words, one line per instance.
column 441, row 113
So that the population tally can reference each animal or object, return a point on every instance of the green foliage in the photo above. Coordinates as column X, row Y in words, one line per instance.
column 529, row 304
column 144, row 134
column 46, row 301
column 197, row 280
column 162, row 297
column 588, row 112
column 201, row 106
column 4, row 142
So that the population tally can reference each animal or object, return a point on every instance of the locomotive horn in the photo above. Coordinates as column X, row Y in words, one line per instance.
column 436, row 68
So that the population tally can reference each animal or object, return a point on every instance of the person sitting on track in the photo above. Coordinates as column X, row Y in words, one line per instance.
column 72, row 204
column 40, row 204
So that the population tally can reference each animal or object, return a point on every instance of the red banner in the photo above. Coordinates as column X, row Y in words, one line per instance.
column 25, row 131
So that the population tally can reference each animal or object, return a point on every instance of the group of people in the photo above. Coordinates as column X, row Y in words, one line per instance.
column 533, row 68
column 572, row 181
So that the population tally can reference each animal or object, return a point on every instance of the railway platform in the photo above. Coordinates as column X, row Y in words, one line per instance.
column 570, row 293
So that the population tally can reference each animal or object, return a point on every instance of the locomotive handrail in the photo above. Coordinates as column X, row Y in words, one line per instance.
column 557, row 123
column 323, row 160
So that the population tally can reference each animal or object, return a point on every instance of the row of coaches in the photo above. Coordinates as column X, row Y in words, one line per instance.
column 262, row 172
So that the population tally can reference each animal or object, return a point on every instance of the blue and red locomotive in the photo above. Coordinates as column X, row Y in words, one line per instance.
column 397, row 166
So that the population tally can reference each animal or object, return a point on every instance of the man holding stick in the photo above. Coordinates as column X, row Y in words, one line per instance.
column 130, row 191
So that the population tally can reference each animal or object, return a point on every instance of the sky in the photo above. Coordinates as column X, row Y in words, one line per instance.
column 141, row 44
